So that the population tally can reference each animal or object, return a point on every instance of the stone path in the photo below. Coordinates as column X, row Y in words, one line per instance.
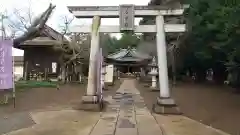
column 126, row 114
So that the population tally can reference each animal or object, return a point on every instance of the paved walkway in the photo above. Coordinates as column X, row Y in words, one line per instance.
column 125, row 115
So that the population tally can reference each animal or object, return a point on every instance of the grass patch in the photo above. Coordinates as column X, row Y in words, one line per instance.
column 35, row 84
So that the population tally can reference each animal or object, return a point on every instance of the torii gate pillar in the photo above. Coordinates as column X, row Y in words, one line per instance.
column 91, row 87
column 164, row 100
column 162, row 58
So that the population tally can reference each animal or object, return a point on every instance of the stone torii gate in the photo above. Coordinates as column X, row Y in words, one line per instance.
column 127, row 13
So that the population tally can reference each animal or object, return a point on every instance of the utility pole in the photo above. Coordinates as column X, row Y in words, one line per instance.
column 2, row 16
column 2, row 25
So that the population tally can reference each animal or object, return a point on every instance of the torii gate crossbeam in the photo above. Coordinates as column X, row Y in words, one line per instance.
column 137, row 29
column 113, row 11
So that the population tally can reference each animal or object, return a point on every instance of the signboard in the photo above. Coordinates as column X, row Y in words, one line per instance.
column 126, row 17
column 99, row 68
column 109, row 74
column 6, row 65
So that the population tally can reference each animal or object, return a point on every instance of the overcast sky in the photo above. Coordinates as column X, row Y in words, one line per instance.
column 38, row 6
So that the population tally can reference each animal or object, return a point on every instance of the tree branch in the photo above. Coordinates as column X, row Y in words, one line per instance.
column 34, row 29
column 22, row 20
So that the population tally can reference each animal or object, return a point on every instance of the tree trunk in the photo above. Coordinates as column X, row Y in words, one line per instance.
column 75, row 74
column 63, row 73
column 173, row 66
column 219, row 73
column 80, row 77
column 45, row 74
column 26, row 71
column 200, row 75
column 67, row 74
column 80, row 74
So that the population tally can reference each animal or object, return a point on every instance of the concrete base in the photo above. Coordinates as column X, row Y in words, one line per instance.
column 90, row 103
column 109, row 83
column 166, row 106
column 154, row 89
column 105, row 88
column 146, row 85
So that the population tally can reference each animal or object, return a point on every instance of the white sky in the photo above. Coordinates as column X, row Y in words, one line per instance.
column 38, row 6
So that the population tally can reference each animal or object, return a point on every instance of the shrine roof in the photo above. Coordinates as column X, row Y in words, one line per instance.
column 48, row 37
column 129, row 55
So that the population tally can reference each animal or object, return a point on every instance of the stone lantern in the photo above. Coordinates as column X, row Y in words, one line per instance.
column 154, row 72
column 118, row 74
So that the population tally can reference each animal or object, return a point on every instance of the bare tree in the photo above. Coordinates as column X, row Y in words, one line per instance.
column 7, row 29
column 70, row 50
column 3, row 28
column 21, row 22
column 35, row 28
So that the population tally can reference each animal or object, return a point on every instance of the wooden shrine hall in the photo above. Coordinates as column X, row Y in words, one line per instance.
column 40, row 58
column 129, row 60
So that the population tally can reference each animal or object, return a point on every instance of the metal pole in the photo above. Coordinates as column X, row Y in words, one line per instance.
column 14, row 90
column 2, row 16
column 2, row 36
column 2, row 21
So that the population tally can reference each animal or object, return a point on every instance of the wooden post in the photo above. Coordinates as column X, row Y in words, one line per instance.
column 63, row 73
column 45, row 74
column 67, row 74
column 26, row 71
column 174, row 65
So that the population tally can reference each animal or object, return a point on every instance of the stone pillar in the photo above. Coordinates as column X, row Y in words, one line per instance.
column 118, row 74
column 162, row 58
column 164, row 100
column 91, row 96
column 80, row 78
column 154, row 82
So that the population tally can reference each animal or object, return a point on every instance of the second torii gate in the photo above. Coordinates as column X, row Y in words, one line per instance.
column 127, row 13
